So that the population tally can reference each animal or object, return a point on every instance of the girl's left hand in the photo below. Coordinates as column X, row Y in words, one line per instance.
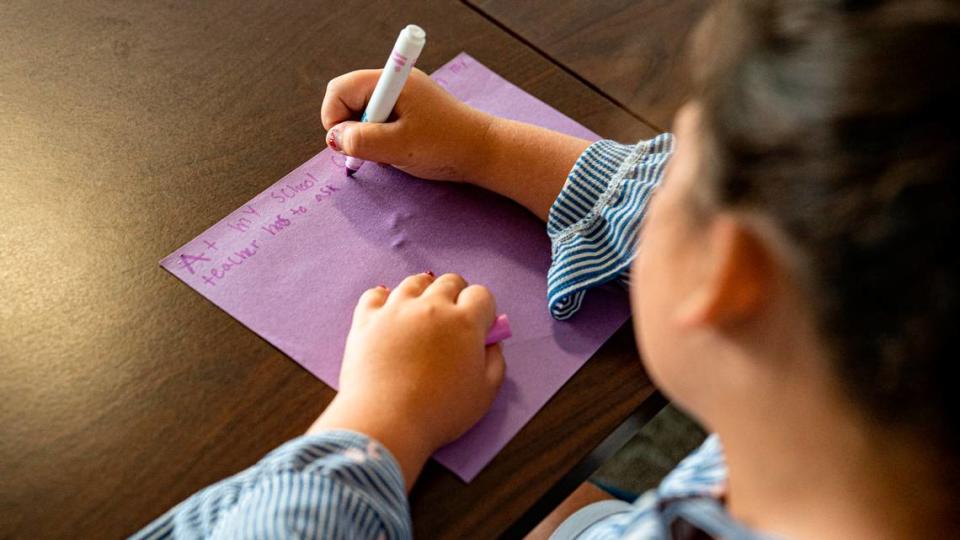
column 416, row 374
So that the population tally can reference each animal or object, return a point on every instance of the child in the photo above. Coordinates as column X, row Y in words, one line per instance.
column 793, row 291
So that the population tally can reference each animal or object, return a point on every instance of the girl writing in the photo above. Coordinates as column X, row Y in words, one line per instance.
column 793, row 290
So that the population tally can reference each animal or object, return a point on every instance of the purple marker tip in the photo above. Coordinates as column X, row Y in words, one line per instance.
column 353, row 165
column 499, row 331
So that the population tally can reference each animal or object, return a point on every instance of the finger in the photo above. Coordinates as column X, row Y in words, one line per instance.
column 371, row 299
column 447, row 286
column 347, row 96
column 496, row 366
column 412, row 286
column 375, row 297
column 480, row 303
column 371, row 141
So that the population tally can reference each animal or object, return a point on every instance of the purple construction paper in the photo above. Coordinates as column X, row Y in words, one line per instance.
column 291, row 263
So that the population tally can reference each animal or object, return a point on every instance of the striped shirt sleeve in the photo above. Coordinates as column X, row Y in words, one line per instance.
column 691, row 494
column 337, row 484
column 594, row 221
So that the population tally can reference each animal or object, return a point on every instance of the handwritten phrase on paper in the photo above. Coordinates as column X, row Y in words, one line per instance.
column 255, row 227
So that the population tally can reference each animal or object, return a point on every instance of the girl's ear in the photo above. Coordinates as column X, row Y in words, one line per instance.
column 736, row 274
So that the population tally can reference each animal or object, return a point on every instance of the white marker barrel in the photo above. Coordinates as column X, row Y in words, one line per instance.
column 402, row 58
column 404, row 55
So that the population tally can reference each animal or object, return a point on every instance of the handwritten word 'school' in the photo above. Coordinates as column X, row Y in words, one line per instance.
column 289, row 190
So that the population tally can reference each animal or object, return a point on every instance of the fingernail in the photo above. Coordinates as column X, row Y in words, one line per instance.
column 430, row 273
column 382, row 286
column 333, row 138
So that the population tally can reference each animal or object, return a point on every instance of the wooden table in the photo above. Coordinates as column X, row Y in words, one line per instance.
column 127, row 129
column 630, row 51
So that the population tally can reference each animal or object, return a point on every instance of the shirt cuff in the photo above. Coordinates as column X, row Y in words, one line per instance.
column 593, row 223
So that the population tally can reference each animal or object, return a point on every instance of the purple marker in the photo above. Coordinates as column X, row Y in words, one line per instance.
column 405, row 53
column 499, row 331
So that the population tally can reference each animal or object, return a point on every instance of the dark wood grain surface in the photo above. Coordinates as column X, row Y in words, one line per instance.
column 126, row 128
column 630, row 50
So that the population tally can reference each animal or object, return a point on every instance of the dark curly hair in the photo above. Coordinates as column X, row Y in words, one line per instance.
column 839, row 121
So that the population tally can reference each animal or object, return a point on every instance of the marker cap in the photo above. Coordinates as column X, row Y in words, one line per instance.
column 499, row 331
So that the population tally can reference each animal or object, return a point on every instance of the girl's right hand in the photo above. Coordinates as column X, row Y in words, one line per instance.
column 431, row 134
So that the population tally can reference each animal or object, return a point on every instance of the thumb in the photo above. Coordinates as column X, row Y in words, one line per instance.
column 496, row 366
column 369, row 141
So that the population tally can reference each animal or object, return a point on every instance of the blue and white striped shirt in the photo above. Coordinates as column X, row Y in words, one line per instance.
column 338, row 484
column 341, row 484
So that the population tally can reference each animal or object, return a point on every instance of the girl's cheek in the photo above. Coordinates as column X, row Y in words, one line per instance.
column 649, row 261
column 653, row 293
column 645, row 284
